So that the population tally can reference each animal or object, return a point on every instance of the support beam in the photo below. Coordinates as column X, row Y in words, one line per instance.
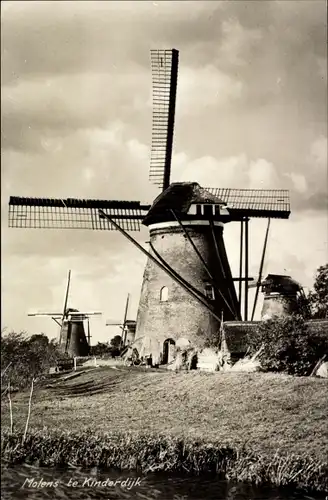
column 241, row 263
column 57, row 322
column 258, row 284
column 171, row 116
column 242, row 279
column 218, row 256
column 246, row 270
column 89, row 336
column 124, row 332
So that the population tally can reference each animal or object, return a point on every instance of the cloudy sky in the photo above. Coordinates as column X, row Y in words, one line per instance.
column 76, row 122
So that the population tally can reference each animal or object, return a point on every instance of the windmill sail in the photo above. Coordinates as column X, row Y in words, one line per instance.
column 164, row 64
column 71, row 213
column 66, row 296
column 268, row 203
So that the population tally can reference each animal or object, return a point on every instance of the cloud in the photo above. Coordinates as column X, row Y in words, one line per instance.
column 66, row 103
column 238, row 42
column 319, row 152
column 198, row 90
column 299, row 182
column 237, row 172
column 263, row 175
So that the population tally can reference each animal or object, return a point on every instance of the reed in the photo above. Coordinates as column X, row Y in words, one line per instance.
column 155, row 453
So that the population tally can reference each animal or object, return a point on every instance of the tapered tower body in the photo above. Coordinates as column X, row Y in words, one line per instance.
column 186, row 227
column 73, row 340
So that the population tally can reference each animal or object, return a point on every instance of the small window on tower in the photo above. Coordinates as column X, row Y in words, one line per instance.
column 209, row 291
column 164, row 294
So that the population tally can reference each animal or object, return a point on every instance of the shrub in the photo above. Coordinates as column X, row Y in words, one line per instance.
column 287, row 345
column 30, row 357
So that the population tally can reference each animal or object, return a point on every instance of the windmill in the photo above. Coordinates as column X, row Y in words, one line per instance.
column 127, row 326
column 72, row 338
column 282, row 294
column 187, row 283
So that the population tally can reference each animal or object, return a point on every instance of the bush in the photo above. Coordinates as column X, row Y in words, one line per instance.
column 30, row 357
column 287, row 345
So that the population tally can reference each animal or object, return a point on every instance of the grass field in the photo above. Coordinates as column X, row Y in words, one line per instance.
column 264, row 414
column 266, row 411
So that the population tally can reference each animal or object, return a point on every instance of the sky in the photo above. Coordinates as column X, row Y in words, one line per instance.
column 76, row 122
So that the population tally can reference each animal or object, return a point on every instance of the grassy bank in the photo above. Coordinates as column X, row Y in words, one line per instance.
column 149, row 453
column 257, row 427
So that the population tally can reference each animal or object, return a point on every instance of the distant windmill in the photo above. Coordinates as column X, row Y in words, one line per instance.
column 127, row 326
column 72, row 338
column 187, row 283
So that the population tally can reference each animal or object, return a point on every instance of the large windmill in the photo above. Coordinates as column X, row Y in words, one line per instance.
column 72, row 338
column 187, row 284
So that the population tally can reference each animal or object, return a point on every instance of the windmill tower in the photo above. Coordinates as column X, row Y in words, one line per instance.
column 72, row 338
column 281, row 296
column 187, row 282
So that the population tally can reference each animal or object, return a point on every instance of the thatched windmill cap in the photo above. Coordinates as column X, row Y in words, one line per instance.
column 179, row 196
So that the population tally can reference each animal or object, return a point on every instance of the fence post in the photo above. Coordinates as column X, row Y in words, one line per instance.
column 75, row 363
column 10, row 410
column 29, row 411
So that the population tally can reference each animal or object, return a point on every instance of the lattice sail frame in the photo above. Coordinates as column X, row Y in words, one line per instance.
column 50, row 213
column 164, row 65
column 71, row 213
column 269, row 203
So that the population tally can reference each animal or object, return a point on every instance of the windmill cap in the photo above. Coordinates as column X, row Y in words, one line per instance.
column 281, row 280
column 179, row 196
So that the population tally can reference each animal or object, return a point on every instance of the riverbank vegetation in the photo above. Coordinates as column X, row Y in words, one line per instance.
column 258, row 425
column 163, row 453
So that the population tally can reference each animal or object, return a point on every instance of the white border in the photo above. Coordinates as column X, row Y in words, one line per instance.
column 163, row 225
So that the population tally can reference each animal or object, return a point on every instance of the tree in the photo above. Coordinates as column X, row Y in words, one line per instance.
column 318, row 297
column 116, row 342
column 116, row 345
column 29, row 357
column 101, row 349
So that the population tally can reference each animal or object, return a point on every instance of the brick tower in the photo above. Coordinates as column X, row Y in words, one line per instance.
column 186, row 226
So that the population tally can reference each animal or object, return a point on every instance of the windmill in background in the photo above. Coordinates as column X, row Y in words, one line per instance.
column 187, row 283
column 72, row 339
column 127, row 326
column 282, row 294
